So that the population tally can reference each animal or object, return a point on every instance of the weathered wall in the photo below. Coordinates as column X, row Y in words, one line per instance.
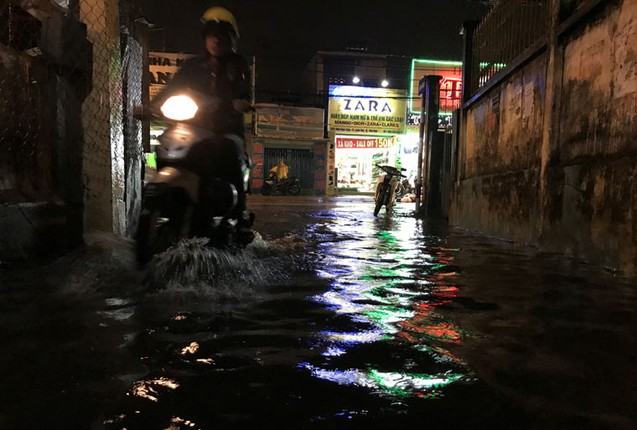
column 65, row 166
column 500, row 164
column 587, row 204
column 26, row 149
column 32, row 216
column 103, row 161
column 597, row 140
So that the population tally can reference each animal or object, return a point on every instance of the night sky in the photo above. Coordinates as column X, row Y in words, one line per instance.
column 284, row 34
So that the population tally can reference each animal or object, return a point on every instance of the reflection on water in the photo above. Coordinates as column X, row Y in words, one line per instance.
column 351, row 303
column 356, row 320
column 147, row 389
column 387, row 286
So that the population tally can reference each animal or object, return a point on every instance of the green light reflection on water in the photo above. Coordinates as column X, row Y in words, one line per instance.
column 400, row 276
column 405, row 384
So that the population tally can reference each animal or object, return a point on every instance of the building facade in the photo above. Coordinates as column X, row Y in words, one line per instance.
column 373, row 112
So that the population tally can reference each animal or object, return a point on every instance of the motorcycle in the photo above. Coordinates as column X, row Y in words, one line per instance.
column 183, row 199
column 289, row 186
column 384, row 193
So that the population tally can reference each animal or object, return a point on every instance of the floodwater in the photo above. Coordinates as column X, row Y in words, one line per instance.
column 342, row 320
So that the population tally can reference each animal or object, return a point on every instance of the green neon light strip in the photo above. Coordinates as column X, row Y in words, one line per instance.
column 424, row 61
column 438, row 62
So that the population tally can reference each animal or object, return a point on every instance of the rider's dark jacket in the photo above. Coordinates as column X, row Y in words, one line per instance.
column 231, row 80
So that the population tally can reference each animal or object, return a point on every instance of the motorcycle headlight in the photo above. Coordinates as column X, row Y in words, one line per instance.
column 179, row 108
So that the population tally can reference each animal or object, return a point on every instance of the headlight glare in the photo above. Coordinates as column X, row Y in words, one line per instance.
column 179, row 108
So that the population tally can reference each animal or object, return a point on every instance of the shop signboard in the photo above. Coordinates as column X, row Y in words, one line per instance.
column 360, row 142
column 450, row 84
column 288, row 122
column 354, row 109
column 162, row 66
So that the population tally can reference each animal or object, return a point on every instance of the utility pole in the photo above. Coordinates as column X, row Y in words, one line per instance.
column 429, row 90
column 421, row 132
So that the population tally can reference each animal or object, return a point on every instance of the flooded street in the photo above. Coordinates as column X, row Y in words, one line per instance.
column 332, row 319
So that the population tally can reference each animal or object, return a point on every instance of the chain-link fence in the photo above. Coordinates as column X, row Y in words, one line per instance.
column 70, row 73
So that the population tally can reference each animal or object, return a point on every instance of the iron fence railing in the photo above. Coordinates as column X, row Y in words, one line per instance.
column 505, row 32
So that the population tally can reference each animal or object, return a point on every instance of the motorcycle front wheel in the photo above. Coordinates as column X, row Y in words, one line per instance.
column 382, row 196
column 159, row 228
column 294, row 189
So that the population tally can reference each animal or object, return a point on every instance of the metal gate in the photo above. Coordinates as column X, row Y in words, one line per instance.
column 300, row 162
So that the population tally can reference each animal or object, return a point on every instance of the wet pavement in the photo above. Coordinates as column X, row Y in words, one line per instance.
column 343, row 321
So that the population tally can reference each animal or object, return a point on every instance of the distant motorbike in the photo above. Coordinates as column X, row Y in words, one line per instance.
column 184, row 199
column 384, row 193
column 289, row 186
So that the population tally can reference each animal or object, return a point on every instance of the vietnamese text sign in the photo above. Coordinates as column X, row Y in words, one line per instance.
column 358, row 142
column 162, row 66
column 367, row 110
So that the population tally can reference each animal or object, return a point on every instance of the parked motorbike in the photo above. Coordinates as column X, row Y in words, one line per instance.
column 384, row 193
column 184, row 199
column 289, row 186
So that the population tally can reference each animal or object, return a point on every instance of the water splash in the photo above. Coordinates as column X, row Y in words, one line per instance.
column 225, row 274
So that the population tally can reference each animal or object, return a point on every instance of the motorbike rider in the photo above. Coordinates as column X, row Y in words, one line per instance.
column 280, row 171
column 224, row 74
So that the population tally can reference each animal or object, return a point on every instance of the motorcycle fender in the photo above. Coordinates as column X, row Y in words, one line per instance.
column 176, row 177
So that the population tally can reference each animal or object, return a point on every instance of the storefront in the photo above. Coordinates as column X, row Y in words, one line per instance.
column 356, row 158
column 365, row 128
column 293, row 135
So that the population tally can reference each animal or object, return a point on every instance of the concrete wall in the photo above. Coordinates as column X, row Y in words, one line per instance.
column 597, row 140
column 103, row 167
column 32, row 216
column 26, row 152
column 500, row 158
column 65, row 166
column 567, row 182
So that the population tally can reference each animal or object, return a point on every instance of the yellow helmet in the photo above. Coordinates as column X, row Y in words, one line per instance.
column 220, row 16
